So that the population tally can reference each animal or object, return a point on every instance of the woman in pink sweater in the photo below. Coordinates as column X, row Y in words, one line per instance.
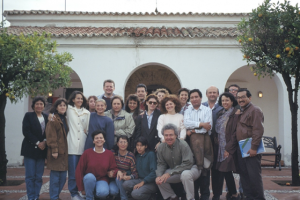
column 92, row 170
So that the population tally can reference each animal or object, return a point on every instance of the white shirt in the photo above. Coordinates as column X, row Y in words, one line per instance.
column 193, row 118
column 176, row 119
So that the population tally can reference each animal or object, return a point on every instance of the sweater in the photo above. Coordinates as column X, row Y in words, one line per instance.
column 78, row 124
column 176, row 119
column 96, row 163
column 98, row 122
column 146, row 166
column 127, row 164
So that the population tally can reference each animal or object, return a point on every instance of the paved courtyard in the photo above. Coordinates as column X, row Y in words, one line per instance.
column 269, row 174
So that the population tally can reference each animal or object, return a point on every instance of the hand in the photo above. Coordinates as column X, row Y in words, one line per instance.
column 50, row 117
column 137, row 186
column 238, row 112
column 83, row 192
column 226, row 154
column 120, row 175
column 188, row 132
column 142, row 113
column 126, row 178
column 252, row 152
column 55, row 155
column 158, row 181
column 165, row 177
column 206, row 125
column 110, row 174
column 156, row 146
column 42, row 145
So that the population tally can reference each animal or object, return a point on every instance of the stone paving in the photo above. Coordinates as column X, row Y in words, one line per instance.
column 273, row 191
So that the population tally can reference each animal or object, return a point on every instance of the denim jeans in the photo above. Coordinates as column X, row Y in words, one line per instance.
column 57, row 182
column 34, row 170
column 100, row 188
column 118, row 183
column 72, row 164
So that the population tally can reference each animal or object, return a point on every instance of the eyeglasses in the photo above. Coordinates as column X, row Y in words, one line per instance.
column 123, row 142
column 152, row 102
column 242, row 97
column 233, row 90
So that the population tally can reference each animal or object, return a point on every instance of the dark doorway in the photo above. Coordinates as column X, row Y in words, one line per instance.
column 68, row 91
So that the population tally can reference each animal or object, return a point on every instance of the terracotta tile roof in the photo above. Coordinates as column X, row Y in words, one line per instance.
column 55, row 12
column 191, row 32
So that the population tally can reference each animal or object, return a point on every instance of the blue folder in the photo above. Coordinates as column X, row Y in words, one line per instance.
column 245, row 146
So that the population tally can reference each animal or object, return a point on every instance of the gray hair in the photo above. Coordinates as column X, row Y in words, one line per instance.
column 170, row 126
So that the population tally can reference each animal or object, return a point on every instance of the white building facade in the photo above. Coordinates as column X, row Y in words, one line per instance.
column 157, row 49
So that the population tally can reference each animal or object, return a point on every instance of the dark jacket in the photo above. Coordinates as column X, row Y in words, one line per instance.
column 143, row 129
column 146, row 166
column 32, row 132
column 229, row 164
column 57, row 143
column 250, row 124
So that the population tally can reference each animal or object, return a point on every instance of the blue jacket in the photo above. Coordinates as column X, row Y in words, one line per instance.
column 146, row 166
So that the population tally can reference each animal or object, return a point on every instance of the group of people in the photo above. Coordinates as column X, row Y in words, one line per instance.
column 156, row 146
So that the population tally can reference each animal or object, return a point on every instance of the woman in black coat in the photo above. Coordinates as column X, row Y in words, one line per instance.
column 34, row 147
column 147, row 123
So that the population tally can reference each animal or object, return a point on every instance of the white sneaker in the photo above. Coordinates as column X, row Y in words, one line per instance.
column 77, row 197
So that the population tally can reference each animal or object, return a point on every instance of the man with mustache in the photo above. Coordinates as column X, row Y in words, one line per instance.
column 141, row 93
column 175, row 163
column 250, row 124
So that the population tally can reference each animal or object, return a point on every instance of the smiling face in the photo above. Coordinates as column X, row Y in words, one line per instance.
column 91, row 104
column 61, row 108
column 132, row 105
column 226, row 102
column 108, row 88
column 122, row 144
column 152, row 104
column 170, row 106
column 183, row 97
column 99, row 140
column 141, row 148
column 78, row 100
column 141, row 93
column 195, row 99
column 170, row 137
column 100, row 107
column 160, row 96
column 39, row 106
column 212, row 94
column 242, row 99
column 117, row 105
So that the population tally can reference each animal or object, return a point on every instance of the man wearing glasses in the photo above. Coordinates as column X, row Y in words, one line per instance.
column 250, row 124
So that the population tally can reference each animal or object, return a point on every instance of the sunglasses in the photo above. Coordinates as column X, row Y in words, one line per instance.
column 152, row 102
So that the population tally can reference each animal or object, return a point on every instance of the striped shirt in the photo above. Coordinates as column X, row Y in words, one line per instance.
column 193, row 118
column 127, row 164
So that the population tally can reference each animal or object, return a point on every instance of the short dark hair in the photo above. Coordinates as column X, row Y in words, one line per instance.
column 108, row 81
column 244, row 90
column 116, row 148
column 143, row 141
column 36, row 99
column 228, row 95
column 172, row 98
column 90, row 97
column 55, row 105
column 195, row 90
column 99, row 131
column 183, row 90
column 234, row 85
column 133, row 97
column 148, row 98
column 73, row 96
column 117, row 97
column 141, row 85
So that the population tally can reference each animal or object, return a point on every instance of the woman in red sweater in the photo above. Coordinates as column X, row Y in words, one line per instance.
column 93, row 167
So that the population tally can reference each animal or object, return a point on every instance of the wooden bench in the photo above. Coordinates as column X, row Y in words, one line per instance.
column 271, row 142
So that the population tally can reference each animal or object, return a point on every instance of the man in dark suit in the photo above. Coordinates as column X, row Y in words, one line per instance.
column 147, row 123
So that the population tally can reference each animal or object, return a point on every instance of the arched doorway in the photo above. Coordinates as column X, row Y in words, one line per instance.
column 154, row 76
column 61, row 92
column 269, row 100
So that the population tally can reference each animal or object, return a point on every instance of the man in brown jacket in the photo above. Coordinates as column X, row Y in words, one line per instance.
column 250, row 124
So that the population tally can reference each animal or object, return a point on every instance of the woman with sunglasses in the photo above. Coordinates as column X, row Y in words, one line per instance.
column 147, row 123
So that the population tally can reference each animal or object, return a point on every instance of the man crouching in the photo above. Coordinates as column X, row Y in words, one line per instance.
column 175, row 163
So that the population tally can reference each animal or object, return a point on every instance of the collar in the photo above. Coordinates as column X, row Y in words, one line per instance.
column 84, row 111
column 96, row 152
column 146, row 152
column 174, row 144
column 200, row 108
column 109, row 97
column 150, row 114
column 247, row 106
